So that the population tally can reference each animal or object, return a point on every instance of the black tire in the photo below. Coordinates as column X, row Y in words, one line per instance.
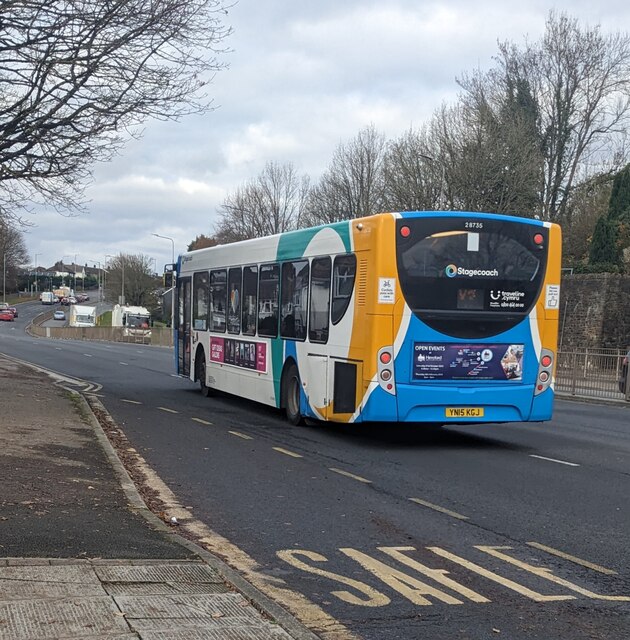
column 291, row 395
column 201, row 374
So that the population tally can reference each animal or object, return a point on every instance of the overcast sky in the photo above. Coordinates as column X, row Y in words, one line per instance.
column 303, row 76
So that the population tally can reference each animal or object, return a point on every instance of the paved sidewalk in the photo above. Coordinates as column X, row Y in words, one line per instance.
column 78, row 559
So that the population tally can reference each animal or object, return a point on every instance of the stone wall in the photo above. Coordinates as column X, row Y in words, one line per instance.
column 595, row 311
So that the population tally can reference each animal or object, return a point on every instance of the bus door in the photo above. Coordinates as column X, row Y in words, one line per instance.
column 183, row 326
column 344, row 376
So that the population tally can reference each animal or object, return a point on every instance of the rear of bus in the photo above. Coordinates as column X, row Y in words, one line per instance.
column 478, row 336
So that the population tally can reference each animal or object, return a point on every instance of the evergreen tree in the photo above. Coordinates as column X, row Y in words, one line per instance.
column 619, row 207
column 603, row 251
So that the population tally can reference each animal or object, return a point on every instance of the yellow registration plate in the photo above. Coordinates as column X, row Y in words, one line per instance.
column 464, row 412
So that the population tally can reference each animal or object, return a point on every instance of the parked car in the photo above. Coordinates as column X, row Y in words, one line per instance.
column 6, row 315
column 59, row 315
column 623, row 374
column 15, row 311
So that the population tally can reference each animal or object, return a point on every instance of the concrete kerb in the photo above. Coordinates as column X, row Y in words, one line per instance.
column 257, row 598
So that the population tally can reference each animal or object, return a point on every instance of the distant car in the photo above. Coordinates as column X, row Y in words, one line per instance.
column 59, row 315
column 6, row 315
column 623, row 374
column 15, row 311
column 65, row 300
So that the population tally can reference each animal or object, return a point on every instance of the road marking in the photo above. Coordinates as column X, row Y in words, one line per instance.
column 495, row 577
column 409, row 587
column 436, row 507
column 130, row 401
column 350, row 475
column 240, row 435
column 439, row 575
column 287, row 452
column 167, row 410
column 374, row 598
column 88, row 355
column 569, row 464
column 124, row 364
column 201, row 421
column 547, row 574
column 566, row 556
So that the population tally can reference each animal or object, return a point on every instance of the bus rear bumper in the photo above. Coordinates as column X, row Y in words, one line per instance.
column 466, row 405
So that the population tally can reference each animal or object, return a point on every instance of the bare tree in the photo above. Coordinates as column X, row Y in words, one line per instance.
column 13, row 254
column 412, row 173
column 202, row 241
column 130, row 275
column 580, row 79
column 78, row 77
column 271, row 203
column 353, row 184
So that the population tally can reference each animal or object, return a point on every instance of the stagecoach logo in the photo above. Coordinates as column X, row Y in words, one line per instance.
column 452, row 271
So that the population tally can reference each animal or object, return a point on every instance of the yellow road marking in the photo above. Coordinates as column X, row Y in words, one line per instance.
column 566, row 556
column 350, row 475
column 201, row 421
column 547, row 574
column 439, row 575
column 167, row 410
column 374, row 598
column 240, row 435
column 287, row 452
column 495, row 577
column 436, row 507
column 130, row 401
column 409, row 587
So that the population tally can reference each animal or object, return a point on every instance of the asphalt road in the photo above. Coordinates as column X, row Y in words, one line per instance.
column 514, row 531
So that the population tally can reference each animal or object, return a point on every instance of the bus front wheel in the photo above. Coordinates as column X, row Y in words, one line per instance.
column 201, row 374
column 291, row 402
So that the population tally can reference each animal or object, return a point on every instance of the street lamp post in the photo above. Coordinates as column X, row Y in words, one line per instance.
column 36, row 256
column 157, row 235
column 4, row 275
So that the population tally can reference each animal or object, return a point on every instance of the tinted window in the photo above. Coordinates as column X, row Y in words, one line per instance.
column 320, row 300
column 250, row 296
column 201, row 296
column 470, row 277
column 344, row 271
column 294, row 307
column 268, row 290
column 218, row 300
column 234, row 301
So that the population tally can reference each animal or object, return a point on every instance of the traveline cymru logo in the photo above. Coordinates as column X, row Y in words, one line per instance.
column 452, row 271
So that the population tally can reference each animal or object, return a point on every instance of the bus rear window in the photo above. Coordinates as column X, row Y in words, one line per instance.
column 470, row 277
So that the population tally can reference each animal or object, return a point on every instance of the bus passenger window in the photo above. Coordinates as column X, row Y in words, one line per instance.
column 250, row 297
column 200, row 301
column 218, row 300
column 294, row 306
column 234, row 301
column 268, row 290
column 320, row 300
column 344, row 271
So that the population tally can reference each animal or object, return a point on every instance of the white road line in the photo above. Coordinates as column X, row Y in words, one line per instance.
column 350, row 475
column 568, row 464
column 240, row 435
column 130, row 401
column 167, row 410
column 575, row 559
column 202, row 421
column 88, row 355
column 436, row 507
column 124, row 364
column 287, row 452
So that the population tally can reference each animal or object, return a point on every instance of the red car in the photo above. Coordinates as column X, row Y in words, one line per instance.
column 6, row 315
column 15, row 311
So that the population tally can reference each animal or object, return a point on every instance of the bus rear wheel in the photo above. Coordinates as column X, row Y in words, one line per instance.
column 291, row 393
column 201, row 375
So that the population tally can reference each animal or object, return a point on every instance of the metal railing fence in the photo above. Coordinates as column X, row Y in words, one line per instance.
column 590, row 373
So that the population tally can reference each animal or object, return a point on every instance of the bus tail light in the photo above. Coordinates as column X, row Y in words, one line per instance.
column 385, row 370
column 545, row 371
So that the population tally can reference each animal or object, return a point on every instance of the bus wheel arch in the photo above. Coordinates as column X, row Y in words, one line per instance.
column 200, row 372
column 291, row 387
